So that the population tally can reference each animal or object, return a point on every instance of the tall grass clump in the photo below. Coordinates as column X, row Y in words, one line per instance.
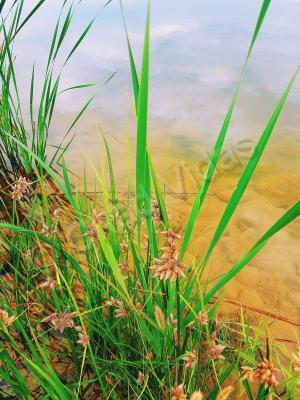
column 32, row 132
column 120, row 314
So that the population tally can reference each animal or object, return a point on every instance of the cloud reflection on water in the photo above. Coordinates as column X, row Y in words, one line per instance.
column 197, row 52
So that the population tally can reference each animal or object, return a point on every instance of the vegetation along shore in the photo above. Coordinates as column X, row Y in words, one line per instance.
column 141, row 290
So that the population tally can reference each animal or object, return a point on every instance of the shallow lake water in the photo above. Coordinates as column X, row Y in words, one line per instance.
column 270, row 283
column 198, row 49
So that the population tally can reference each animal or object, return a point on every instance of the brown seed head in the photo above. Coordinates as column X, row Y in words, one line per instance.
column 7, row 320
column 48, row 284
column 124, row 247
column 60, row 321
column 197, row 396
column 168, row 265
column 149, row 356
column 248, row 373
column 190, row 359
column 92, row 232
column 57, row 213
column 225, row 393
column 177, row 393
column 156, row 215
column 20, row 188
column 120, row 311
column 140, row 379
column 45, row 230
column 265, row 373
column 202, row 318
column 215, row 351
column 84, row 339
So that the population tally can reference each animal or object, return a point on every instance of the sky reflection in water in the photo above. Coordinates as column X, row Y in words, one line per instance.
column 197, row 51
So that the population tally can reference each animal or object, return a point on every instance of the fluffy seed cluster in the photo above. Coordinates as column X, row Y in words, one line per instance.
column 177, row 393
column 83, row 338
column 215, row 351
column 190, row 359
column 156, row 212
column 45, row 230
column 123, row 267
column 149, row 356
column 124, row 247
column 197, row 395
column 57, row 213
column 202, row 318
column 168, row 265
column 225, row 393
column 20, row 188
column 120, row 311
column 60, row 321
column 140, row 379
column 7, row 320
column 265, row 373
column 63, row 320
column 248, row 373
column 92, row 231
column 49, row 283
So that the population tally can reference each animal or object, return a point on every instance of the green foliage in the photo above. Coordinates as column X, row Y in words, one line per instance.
column 13, row 159
column 145, row 334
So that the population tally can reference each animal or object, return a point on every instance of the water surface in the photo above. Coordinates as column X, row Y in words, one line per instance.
column 197, row 52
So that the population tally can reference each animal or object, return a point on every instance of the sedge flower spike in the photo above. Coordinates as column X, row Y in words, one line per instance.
column 168, row 265
column 265, row 373
column 60, row 321
column 20, row 188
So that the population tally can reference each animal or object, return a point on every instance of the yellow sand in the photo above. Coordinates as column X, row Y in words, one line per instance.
column 271, row 281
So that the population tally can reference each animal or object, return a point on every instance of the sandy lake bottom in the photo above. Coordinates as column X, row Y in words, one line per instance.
column 271, row 281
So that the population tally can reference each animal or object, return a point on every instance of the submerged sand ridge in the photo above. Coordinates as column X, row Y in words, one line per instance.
column 271, row 281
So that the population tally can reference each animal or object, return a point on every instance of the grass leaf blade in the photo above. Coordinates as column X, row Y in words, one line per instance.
column 142, row 122
column 249, row 170
column 207, row 178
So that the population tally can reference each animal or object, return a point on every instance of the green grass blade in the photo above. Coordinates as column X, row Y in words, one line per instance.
column 261, row 17
column 111, row 172
column 109, row 255
column 83, row 86
column 31, row 13
column 134, row 76
column 111, row 76
column 207, row 178
column 2, row 4
column 159, row 195
column 7, row 362
column 31, row 99
column 53, row 42
column 249, row 170
column 155, row 344
column 78, row 116
column 82, row 36
column 142, row 122
column 44, row 239
column 107, row 3
column 148, row 211
column 64, row 30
